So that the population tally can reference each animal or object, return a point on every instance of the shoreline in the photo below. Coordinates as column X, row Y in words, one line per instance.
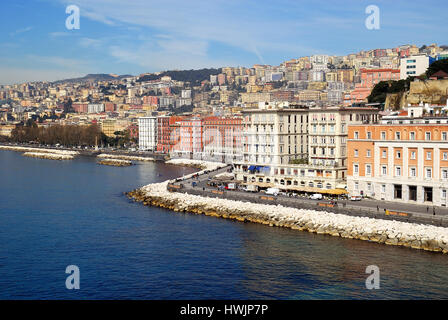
column 124, row 157
column 389, row 232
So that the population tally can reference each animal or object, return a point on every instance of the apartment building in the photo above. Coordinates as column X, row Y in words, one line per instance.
column 222, row 138
column 414, row 65
column 299, row 148
column 403, row 162
column 147, row 133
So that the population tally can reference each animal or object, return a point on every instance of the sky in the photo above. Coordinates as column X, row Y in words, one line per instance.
column 139, row 36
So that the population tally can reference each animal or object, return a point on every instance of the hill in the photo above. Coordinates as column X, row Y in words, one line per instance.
column 94, row 77
column 193, row 76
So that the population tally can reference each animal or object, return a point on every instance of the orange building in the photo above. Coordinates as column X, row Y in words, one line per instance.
column 399, row 162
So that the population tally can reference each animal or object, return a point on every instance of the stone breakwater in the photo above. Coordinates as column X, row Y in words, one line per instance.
column 390, row 232
column 124, row 157
column 39, row 150
column 115, row 162
column 50, row 156
column 205, row 165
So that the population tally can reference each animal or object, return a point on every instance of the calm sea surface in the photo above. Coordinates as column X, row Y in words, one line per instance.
column 54, row 214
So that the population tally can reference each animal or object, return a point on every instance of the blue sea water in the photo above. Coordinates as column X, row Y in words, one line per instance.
column 59, row 213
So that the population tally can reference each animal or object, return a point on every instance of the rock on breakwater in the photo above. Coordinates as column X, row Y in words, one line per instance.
column 115, row 162
column 124, row 157
column 50, row 156
column 390, row 232
column 205, row 165
column 39, row 150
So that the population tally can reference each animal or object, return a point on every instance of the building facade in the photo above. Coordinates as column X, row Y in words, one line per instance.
column 147, row 133
column 405, row 162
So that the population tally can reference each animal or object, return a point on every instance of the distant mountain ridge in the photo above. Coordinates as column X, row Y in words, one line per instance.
column 95, row 77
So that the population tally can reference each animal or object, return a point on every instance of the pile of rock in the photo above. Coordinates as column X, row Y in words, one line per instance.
column 124, row 157
column 115, row 162
column 50, row 156
column 205, row 165
column 390, row 232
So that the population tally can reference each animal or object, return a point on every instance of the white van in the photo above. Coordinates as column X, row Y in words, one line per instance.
column 316, row 196
column 273, row 191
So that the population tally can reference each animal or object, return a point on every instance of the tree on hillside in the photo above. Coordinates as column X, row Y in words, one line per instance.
column 437, row 66
column 381, row 89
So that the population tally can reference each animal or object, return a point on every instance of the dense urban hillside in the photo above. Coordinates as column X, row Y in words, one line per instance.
column 193, row 76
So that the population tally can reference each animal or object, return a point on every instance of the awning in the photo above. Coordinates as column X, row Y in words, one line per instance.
column 258, row 168
column 251, row 168
column 341, row 186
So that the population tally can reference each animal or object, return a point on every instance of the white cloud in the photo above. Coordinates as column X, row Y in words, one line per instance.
column 19, row 31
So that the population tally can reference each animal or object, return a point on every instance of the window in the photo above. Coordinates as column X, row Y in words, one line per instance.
column 384, row 170
column 428, row 173
column 383, row 135
column 384, row 154
column 443, row 194
column 369, row 135
column 356, row 135
column 397, row 171
column 412, row 155
column 356, row 153
column 444, row 174
column 368, row 153
column 428, row 155
column 412, row 135
column 427, row 135
column 369, row 186
column 412, row 172
column 444, row 137
column 383, row 188
column 445, row 156
column 355, row 168
column 398, row 154
column 356, row 186
column 368, row 169
column 397, row 135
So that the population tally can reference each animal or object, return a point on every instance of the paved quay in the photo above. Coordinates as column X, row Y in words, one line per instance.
column 413, row 213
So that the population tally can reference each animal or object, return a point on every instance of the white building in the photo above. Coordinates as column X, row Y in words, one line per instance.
column 413, row 66
column 147, row 133
column 95, row 108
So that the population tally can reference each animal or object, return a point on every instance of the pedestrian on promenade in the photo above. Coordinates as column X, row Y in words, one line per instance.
column 377, row 208
column 427, row 209
column 433, row 211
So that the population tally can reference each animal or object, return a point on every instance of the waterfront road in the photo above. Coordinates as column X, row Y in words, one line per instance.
column 366, row 207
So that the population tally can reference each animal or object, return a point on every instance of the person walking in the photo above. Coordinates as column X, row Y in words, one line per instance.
column 433, row 211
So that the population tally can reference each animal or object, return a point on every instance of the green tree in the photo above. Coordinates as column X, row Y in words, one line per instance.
column 440, row 65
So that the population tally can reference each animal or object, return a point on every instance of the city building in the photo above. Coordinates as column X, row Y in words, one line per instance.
column 222, row 139
column 147, row 133
column 299, row 149
column 405, row 162
column 414, row 65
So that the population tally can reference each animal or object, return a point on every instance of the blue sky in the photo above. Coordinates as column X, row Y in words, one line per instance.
column 138, row 36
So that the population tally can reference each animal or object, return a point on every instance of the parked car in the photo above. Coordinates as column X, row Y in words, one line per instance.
column 355, row 198
column 251, row 188
column 273, row 191
column 316, row 196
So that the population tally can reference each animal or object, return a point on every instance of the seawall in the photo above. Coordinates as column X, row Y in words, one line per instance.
column 389, row 232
